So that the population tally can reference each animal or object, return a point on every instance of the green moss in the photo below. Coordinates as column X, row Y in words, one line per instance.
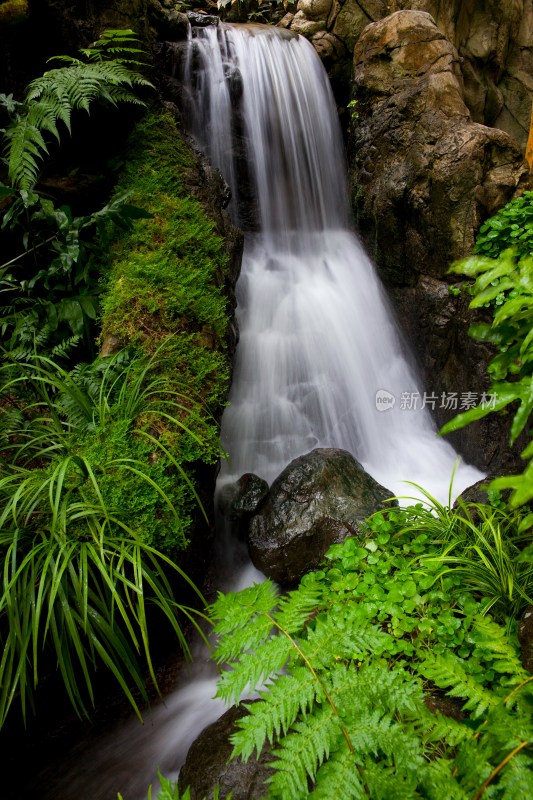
column 136, row 495
column 164, row 292
column 13, row 11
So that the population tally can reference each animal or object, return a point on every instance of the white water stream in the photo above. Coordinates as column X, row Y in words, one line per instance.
column 320, row 361
column 319, row 357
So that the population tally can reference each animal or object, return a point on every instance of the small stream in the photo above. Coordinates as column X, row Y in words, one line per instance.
column 319, row 348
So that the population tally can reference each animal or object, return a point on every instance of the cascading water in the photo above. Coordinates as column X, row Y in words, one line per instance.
column 319, row 362
column 318, row 347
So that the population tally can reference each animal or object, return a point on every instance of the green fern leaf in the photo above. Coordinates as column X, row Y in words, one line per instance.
column 446, row 672
column 338, row 778
column 391, row 690
column 297, row 608
column 25, row 145
column 304, row 750
column 345, row 634
column 437, row 782
column 286, row 698
column 516, row 780
column 53, row 96
column 383, row 780
column 493, row 638
column 233, row 611
column 254, row 669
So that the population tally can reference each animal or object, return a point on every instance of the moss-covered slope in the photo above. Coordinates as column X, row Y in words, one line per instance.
column 164, row 295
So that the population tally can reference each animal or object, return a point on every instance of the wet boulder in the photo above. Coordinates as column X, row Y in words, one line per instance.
column 207, row 765
column 318, row 500
column 240, row 499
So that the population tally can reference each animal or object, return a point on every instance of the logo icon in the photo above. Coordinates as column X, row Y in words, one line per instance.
column 384, row 400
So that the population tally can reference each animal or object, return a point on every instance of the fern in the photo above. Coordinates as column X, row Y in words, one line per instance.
column 304, row 750
column 346, row 657
column 337, row 778
column 105, row 77
column 447, row 671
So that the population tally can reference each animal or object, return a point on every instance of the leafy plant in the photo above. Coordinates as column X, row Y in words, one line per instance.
column 80, row 567
column 50, row 286
column 170, row 791
column 503, row 282
column 106, row 76
column 512, row 226
column 484, row 547
column 50, row 291
column 346, row 664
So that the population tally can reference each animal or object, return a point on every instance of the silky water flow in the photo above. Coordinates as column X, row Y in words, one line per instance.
column 319, row 361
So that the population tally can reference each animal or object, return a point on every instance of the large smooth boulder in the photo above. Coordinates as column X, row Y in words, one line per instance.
column 207, row 765
column 318, row 500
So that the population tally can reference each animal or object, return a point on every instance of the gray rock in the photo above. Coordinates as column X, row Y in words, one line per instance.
column 207, row 767
column 319, row 499
column 202, row 20
column 239, row 500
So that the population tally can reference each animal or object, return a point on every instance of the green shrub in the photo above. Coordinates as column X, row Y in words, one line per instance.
column 49, row 287
column 107, row 74
column 89, row 485
column 349, row 663
column 502, row 282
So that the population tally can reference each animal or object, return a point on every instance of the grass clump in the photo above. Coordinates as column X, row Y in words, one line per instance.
column 87, row 489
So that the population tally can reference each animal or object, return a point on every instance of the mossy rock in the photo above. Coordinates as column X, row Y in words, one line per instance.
column 165, row 292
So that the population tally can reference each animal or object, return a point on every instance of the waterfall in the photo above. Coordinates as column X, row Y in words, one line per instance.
column 320, row 362
column 319, row 355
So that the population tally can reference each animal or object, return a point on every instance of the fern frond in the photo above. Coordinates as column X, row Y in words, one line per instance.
column 253, row 669
column 339, row 778
column 447, row 672
column 490, row 636
column 297, row 607
column 438, row 782
column 286, row 698
column 516, row 779
column 445, row 729
column 472, row 764
column 304, row 750
column 65, row 347
column 384, row 780
column 391, row 689
column 233, row 611
column 25, row 145
column 53, row 96
column 45, row 114
column 347, row 634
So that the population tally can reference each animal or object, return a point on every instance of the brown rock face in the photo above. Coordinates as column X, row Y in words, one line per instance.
column 494, row 40
column 425, row 177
